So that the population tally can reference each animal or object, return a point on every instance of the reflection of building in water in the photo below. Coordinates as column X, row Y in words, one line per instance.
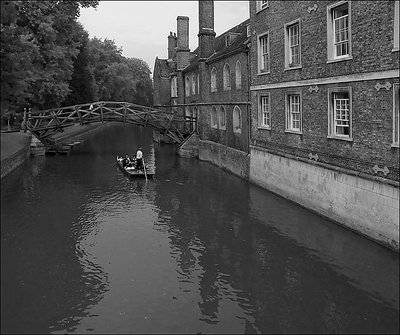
column 268, row 264
column 328, row 244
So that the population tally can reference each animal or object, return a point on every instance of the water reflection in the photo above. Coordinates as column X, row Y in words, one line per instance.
column 194, row 250
column 287, row 269
column 43, row 281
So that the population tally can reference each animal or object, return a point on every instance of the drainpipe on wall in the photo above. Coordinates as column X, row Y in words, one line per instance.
column 249, row 100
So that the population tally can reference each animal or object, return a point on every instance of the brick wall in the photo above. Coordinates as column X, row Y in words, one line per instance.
column 371, row 39
column 372, row 119
column 372, row 109
column 226, row 137
column 162, row 88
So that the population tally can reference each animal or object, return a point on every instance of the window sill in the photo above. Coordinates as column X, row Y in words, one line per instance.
column 292, row 68
column 335, row 60
column 347, row 139
column 264, row 128
column 222, row 128
column 214, row 127
column 237, row 132
column 227, row 89
column 395, row 49
column 214, row 91
column 263, row 73
column 395, row 145
column 261, row 9
column 293, row 132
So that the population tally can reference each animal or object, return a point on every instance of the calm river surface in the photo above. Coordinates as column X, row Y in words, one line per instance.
column 85, row 249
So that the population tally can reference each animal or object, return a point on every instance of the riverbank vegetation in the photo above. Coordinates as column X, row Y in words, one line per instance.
column 49, row 61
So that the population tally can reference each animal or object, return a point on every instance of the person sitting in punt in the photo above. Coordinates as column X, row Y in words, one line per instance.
column 131, row 164
column 125, row 161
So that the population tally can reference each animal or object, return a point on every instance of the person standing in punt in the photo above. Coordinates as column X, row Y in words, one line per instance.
column 139, row 159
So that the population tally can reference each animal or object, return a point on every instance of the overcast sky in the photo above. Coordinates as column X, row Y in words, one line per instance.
column 141, row 28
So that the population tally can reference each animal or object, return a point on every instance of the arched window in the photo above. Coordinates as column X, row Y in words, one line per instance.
column 195, row 114
column 188, row 121
column 193, row 85
column 238, row 75
column 214, row 80
column 237, row 120
column 222, row 118
column 174, row 88
column 227, row 77
column 187, row 86
column 214, row 118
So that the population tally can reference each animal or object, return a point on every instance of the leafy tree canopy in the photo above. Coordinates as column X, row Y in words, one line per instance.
column 38, row 48
column 48, row 60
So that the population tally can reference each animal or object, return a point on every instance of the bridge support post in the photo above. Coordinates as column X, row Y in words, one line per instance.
column 79, row 115
column 24, row 121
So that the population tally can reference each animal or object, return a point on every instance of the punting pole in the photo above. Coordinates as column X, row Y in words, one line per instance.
column 144, row 168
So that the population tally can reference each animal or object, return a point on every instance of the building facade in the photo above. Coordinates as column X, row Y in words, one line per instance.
column 210, row 83
column 301, row 99
column 325, row 109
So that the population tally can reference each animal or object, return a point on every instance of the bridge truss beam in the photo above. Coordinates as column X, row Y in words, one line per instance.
column 47, row 123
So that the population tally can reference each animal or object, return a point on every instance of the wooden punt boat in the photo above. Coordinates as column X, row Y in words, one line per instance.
column 133, row 172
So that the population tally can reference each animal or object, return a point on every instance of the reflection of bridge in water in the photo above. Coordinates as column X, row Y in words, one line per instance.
column 47, row 123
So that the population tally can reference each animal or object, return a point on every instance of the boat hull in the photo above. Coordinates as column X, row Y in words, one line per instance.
column 136, row 173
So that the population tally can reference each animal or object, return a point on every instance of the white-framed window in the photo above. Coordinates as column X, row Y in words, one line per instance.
column 222, row 118
column 193, row 85
column 237, row 120
column 260, row 5
column 340, row 113
column 214, row 80
column 263, row 53
column 238, row 75
column 174, row 87
column 396, row 116
column 293, row 112
column 248, row 31
column 214, row 118
column 396, row 37
column 292, row 45
column 227, row 77
column 187, row 86
column 339, row 31
column 198, row 84
column 264, row 111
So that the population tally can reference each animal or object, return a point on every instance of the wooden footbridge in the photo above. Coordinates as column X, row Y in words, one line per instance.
column 46, row 124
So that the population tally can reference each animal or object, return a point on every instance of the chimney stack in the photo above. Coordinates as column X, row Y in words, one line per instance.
column 171, row 45
column 206, row 29
column 182, row 51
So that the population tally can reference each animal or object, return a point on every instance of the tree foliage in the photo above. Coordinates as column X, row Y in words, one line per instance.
column 48, row 60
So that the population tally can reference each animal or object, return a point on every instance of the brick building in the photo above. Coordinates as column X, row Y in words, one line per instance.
column 312, row 113
column 325, row 109
column 212, row 84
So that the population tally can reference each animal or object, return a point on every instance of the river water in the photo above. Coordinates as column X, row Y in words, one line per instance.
column 85, row 249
